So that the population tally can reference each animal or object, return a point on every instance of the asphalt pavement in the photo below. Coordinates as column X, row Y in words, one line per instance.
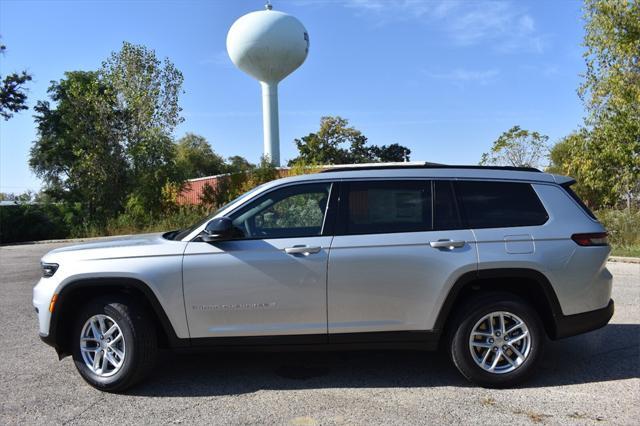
column 588, row 379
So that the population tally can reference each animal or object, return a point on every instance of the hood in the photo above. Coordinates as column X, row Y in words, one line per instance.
column 130, row 246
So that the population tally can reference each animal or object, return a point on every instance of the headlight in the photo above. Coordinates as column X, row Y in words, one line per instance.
column 48, row 269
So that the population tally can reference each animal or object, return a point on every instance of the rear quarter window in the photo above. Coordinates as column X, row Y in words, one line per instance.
column 499, row 204
column 578, row 200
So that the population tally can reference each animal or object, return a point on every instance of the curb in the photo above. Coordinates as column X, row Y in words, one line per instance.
column 621, row 259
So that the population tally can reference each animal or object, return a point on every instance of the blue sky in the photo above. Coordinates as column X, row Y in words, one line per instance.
column 443, row 77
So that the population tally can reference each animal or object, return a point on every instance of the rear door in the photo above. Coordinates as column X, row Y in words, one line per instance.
column 392, row 259
column 505, row 217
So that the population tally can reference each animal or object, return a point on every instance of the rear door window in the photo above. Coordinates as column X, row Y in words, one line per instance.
column 487, row 204
column 378, row 207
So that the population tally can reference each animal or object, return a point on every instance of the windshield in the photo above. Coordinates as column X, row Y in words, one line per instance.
column 180, row 234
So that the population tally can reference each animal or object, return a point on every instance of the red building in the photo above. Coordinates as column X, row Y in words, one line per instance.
column 193, row 188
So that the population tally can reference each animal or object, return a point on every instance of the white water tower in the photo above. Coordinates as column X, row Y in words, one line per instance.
column 268, row 45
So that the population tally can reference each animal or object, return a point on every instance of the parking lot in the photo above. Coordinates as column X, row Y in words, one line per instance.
column 594, row 378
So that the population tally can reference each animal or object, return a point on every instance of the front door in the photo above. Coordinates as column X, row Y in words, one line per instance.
column 271, row 279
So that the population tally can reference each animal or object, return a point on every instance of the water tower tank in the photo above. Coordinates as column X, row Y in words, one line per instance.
column 268, row 45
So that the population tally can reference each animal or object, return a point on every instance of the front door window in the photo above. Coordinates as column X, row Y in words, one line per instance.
column 290, row 212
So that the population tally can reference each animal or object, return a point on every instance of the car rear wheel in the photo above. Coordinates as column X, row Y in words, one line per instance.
column 114, row 343
column 497, row 340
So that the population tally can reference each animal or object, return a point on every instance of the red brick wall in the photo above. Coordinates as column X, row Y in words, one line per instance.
column 193, row 187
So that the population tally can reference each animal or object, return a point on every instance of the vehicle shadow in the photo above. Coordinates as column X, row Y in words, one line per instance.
column 612, row 353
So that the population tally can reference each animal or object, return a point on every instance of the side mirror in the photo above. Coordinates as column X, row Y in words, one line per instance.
column 218, row 229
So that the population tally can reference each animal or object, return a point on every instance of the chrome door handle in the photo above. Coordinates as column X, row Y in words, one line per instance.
column 447, row 244
column 302, row 250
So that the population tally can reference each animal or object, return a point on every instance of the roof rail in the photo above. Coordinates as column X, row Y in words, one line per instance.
column 420, row 165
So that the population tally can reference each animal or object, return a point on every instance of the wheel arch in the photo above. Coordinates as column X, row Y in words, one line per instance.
column 84, row 289
column 531, row 285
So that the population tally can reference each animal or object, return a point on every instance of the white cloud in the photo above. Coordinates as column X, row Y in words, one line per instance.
column 526, row 23
column 371, row 5
column 390, row 10
column 460, row 76
column 504, row 24
column 220, row 58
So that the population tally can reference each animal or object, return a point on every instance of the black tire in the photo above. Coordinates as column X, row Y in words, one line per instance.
column 139, row 336
column 470, row 314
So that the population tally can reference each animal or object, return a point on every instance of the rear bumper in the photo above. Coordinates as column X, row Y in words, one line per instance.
column 571, row 325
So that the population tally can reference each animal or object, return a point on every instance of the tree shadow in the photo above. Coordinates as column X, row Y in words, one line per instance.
column 608, row 354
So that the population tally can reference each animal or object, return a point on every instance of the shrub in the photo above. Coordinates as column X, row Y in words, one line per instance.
column 179, row 217
column 623, row 227
column 31, row 222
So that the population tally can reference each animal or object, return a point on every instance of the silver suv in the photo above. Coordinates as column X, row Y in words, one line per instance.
column 485, row 262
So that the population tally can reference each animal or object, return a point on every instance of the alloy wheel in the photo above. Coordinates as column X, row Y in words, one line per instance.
column 102, row 345
column 500, row 342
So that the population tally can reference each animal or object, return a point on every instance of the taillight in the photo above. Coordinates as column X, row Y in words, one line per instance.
column 592, row 239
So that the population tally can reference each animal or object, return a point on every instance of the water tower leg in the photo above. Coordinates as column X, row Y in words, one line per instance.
column 270, row 122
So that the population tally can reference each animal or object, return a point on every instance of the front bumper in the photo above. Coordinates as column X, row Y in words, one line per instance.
column 571, row 325
column 42, row 294
column 48, row 339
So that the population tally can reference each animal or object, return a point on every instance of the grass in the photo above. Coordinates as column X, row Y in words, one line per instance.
column 126, row 224
column 624, row 230
column 626, row 251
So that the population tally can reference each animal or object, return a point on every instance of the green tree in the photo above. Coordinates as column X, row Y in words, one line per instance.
column 153, row 170
column 26, row 196
column 105, row 144
column 13, row 97
column 263, row 173
column 148, row 89
column 148, row 92
column 79, row 153
column 611, row 84
column 390, row 153
column 327, row 145
column 609, row 157
column 195, row 158
column 562, row 162
column 238, row 164
column 338, row 143
column 517, row 147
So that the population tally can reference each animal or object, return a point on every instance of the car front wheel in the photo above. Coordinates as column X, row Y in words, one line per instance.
column 114, row 343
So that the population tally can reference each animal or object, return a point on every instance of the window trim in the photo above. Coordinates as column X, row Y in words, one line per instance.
column 462, row 220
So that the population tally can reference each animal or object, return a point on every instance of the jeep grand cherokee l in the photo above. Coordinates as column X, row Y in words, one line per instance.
column 487, row 263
